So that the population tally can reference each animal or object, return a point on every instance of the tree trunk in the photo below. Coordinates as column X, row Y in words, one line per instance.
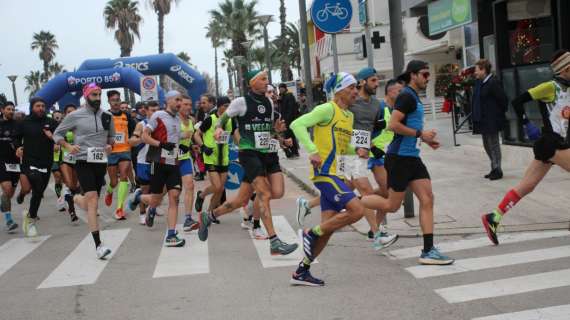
column 283, row 44
column 46, row 71
column 216, row 71
column 230, row 79
column 161, row 41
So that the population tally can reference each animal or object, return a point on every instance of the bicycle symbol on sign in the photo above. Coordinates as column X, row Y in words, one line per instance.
column 335, row 11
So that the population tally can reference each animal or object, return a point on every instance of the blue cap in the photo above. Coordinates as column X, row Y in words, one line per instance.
column 365, row 73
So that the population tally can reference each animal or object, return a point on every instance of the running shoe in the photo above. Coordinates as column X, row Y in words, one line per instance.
column 20, row 198
column 73, row 217
column 199, row 202
column 434, row 257
column 135, row 200
column 491, row 227
column 119, row 214
column 142, row 219
column 303, row 210
column 383, row 240
column 308, row 243
column 204, row 221
column 280, row 248
column 11, row 226
column 370, row 235
column 108, row 199
column 246, row 225
column 259, row 234
column 174, row 241
column 150, row 213
column 133, row 188
column 32, row 229
column 190, row 224
column 61, row 203
column 305, row 278
column 25, row 222
column 102, row 252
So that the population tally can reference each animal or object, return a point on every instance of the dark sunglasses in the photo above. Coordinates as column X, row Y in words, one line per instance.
column 425, row 74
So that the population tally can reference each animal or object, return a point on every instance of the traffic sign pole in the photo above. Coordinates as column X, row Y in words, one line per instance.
column 335, row 53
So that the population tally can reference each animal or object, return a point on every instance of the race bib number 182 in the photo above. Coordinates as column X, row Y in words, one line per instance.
column 96, row 155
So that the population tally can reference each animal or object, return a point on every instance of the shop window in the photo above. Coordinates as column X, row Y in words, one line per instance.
column 444, row 75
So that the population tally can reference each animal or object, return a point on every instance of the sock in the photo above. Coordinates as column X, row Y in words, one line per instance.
column 256, row 224
column 273, row 237
column 110, row 189
column 123, row 192
column 7, row 216
column 428, row 242
column 96, row 238
column 171, row 232
column 317, row 231
column 509, row 201
column 304, row 265
column 69, row 199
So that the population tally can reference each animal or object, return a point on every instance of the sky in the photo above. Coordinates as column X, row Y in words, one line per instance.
column 79, row 28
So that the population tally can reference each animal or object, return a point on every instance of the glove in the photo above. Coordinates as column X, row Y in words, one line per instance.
column 532, row 131
column 379, row 125
column 207, row 151
column 183, row 148
column 168, row 146
column 377, row 152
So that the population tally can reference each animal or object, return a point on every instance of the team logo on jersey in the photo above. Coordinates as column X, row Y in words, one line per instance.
column 337, row 197
column 261, row 108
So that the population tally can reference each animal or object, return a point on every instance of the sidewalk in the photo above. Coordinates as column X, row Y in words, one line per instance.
column 461, row 192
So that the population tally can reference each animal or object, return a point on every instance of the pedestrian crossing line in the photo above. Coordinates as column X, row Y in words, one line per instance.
column 286, row 233
column 505, row 287
column 190, row 259
column 451, row 246
column 481, row 263
column 551, row 313
column 15, row 250
column 81, row 266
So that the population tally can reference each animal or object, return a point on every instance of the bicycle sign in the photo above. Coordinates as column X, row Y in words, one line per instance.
column 331, row 16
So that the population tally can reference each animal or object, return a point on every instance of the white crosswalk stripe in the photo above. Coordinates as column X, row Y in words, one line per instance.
column 286, row 233
column 15, row 250
column 551, row 313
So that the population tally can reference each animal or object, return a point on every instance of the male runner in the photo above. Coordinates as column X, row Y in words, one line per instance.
column 552, row 146
column 94, row 134
column 262, row 173
column 57, row 116
column 9, row 164
column 34, row 143
column 185, row 161
column 119, row 164
column 67, row 168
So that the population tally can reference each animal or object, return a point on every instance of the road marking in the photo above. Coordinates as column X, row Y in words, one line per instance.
column 82, row 214
column 505, row 287
column 474, row 264
column 286, row 233
column 551, row 313
column 477, row 243
column 81, row 266
column 190, row 259
column 15, row 250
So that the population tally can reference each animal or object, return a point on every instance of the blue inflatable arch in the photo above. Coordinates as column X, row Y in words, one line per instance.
column 157, row 64
column 67, row 82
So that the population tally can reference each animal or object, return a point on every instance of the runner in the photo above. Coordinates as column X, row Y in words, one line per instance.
column 332, row 131
column 143, row 167
column 403, row 163
column 162, row 134
column 34, row 145
column 10, row 167
column 207, row 104
column 68, row 170
column 262, row 173
column 94, row 134
column 119, row 164
column 57, row 116
column 185, row 162
column 551, row 147
column 216, row 155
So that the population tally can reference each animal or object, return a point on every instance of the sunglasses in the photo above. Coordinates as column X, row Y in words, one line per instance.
column 425, row 74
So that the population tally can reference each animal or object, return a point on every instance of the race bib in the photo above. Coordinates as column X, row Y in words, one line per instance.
column 12, row 167
column 273, row 145
column 341, row 165
column 262, row 140
column 120, row 137
column 169, row 156
column 96, row 155
column 360, row 139
column 224, row 138
column 69, row 158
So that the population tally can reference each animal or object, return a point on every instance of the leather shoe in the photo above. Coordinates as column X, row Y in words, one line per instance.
column 496, row 175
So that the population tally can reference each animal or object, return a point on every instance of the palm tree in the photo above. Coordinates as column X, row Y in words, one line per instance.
column 257, row 57
column 184, row 56
column 227, row 61
column 33, row 82
column 123, row 17
column 46, row 44
column 214, row 33
column 237, row 20
column 294, row 47
column 161, row 8
column 284, row 44
column 56, row 68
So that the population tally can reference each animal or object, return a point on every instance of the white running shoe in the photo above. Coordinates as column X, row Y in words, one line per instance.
column 61, row 203
column 383, row 240
column 303, row 210
column 32, row 229
column 142, row 219
column 102, row 252
column 246, row 224
column 259, row 234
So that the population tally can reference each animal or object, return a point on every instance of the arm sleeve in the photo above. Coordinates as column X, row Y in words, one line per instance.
column 206, row 124
column 405, row 103
column 236, row 108
column 320, row 115
column 68, row 124
column 545, row 92
column 152, row 122
column 518, row 105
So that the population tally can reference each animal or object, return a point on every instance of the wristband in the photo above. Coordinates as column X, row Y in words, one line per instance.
column 418, row 133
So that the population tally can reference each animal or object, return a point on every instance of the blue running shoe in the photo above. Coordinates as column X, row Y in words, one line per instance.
column 190, row 224
column 136, row 199
column 150, row 214
column 305, row 278
column 308, row 243
column 204, row 222
column 434, row 257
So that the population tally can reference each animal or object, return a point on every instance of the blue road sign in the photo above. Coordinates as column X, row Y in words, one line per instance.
column 331, row 16
column 235, row 175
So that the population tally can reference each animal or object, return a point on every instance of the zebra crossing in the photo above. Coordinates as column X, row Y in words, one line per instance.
column 80, row 266
column 508, row 287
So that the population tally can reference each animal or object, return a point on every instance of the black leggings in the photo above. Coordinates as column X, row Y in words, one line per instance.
column 38, row 181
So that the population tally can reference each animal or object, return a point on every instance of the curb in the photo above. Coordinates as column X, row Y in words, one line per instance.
column 307, row 188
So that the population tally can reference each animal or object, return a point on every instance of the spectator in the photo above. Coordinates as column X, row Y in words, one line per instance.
column 489, row 105
column 289, row 109
column 303, row 105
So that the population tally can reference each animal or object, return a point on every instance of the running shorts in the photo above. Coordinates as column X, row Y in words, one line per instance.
column 373, row 162
column 257, row 164
column 335, row 194
column 91, row 176
column 218, row 169
column 185, row 167
column 545, row 147
column 113, row 159
column 5, row 175
column 162, row 175
column 402, row 170
column 143, row 173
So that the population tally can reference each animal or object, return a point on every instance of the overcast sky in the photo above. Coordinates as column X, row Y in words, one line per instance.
column 81, row 34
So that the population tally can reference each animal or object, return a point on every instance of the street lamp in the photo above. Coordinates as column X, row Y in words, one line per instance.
column 13, row 79
column 247, row 44
column 238, row 62
column 265, row 19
